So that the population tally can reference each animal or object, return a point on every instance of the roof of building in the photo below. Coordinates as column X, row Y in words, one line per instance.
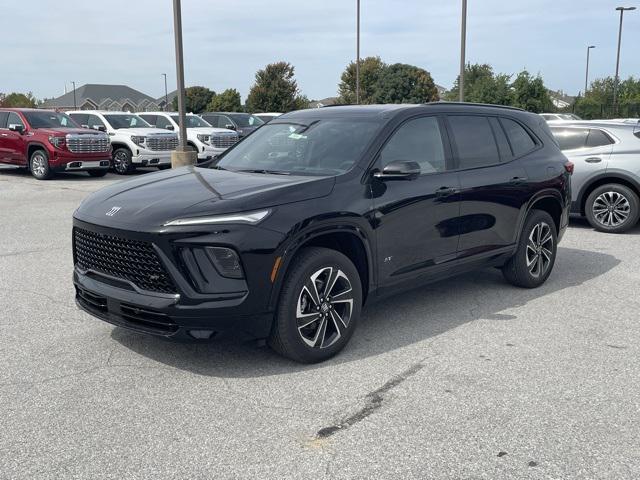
column 98, row 93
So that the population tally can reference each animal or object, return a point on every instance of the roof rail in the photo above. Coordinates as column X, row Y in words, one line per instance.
column 506, row 107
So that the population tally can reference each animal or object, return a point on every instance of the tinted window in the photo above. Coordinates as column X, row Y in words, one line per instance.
column 570, row 138
column 150, row 119
column 520, row 140
column 80, row 118
column 418, row 141
column 14, row 119
column 46, row 119
column 245, row 120
column 3, row 119
column 501, row 138
column 126, row 121
column 94, row 121
column 474, row 140
column 213, row 120
column 193, row 121
column 598, row 138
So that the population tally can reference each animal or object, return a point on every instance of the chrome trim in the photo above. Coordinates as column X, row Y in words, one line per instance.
column 84, row 165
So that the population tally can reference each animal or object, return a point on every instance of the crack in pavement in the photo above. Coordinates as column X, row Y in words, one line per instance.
column 374, row 401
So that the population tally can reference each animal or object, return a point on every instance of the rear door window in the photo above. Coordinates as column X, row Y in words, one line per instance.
column 474, row 140
column 520, row 140
column 3, row 119
column 570, row 138
column 597, row 138
column 14, row 119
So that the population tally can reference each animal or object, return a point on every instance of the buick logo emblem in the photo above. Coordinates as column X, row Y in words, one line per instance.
column 113, row 211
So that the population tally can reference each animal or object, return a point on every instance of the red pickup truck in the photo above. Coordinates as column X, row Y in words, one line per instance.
column 45, row 142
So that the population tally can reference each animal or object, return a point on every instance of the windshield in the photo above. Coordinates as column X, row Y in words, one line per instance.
column 323, row 147
column 192, row 121
column 126, row 121
column 243, row 120
column 49, row 120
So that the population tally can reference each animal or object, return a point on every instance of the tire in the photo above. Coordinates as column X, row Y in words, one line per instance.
column 307, row 330
column 164, row 167
column 122, row 163
column 535, row 256
column 39, row 165
column 97, row 173
column 612, row 208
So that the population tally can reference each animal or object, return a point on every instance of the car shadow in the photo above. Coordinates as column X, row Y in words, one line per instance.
column 582, row 223
column 411, row 317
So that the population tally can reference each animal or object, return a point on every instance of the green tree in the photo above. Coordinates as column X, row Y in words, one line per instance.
column 19, row 100
column 227, row 101
column 598, row 99
column 196, row 99
column 371, row 68
column 401, row 83
column 482, row 85
column 275, row 90
column 529, row 93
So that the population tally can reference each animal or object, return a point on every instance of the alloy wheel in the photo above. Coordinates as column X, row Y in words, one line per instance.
column 121, row 161
column 539, row 249
column 324, row 307
column 39, row 164
column 611, row 209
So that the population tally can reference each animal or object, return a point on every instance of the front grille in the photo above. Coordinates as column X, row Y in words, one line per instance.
column 118, row 257
column 224, row 141
column 87, row 143
column 162, row 142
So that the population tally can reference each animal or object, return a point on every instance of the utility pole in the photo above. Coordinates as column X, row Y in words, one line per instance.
column 358, row 52
column 182, row 155
column 463, row 46
column 166, row 101
column 616, row 80
column 586, row 75
column 75, row 107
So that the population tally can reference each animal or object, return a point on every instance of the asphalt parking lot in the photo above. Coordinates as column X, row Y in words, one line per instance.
column 467, row 379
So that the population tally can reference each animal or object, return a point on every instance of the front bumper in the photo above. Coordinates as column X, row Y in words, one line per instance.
column 187, row 314
column 69, row 161
column 151, row 158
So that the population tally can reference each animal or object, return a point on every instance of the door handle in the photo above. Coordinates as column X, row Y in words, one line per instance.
column 445, row 192
column 4, row 134
column 593, row 160
column 518, row 180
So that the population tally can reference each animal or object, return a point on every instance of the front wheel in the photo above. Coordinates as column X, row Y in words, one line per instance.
column 39, row 165
column 122, row 163
column 536, row 253
column 612, row 208
column 319, row 306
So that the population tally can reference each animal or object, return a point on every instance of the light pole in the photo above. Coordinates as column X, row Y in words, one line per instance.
column 358, row 52
column 182, row 155
column 586, row 75
column 463, row 46
column 166, row 101
column 74, row 95
column 616, row 80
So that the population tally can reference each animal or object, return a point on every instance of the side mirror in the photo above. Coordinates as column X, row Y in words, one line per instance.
column 399, row 170
column 230, row 126
column 168, row 127
column 16, row 127
column 100, row 128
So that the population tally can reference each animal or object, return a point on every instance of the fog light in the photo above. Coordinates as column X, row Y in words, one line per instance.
column 226, row 262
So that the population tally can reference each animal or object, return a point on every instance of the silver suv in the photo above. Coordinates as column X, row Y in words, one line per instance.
column 606, row 180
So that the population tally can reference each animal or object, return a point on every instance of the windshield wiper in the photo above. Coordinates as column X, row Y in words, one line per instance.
column 262, row 170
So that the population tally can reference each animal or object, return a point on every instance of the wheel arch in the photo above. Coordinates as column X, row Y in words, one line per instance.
column 348, row 239
column 602, row 179
column 116, row 145
column 31, row 148
column 549, row 201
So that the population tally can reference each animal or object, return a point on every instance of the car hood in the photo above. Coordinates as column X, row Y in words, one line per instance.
column 143, row 131
column 152, row 200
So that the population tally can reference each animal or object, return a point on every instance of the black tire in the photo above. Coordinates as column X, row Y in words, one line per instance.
column 122, row 163
column 164, row 167
column 39, row 165
column 97, row 173
column 288, row 336
column 608, row 204
column 535, row 256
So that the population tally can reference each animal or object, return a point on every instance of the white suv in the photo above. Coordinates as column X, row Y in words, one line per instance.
column 206, row 140
column 134, row 141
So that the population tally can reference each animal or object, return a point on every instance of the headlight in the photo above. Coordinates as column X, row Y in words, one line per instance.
column 251, row 218
column 204, row 138
column 57, row 142
column 137, row 139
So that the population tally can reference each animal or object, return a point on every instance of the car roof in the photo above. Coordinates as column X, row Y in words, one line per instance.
column 23, row 109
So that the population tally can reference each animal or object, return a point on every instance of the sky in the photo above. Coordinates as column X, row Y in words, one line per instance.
column 47, row 44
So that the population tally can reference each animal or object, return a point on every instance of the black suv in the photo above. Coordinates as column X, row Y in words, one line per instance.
column 289, row 232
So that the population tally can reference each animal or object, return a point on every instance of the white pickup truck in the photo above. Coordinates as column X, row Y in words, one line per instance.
column 134, row 141
column 206, row 140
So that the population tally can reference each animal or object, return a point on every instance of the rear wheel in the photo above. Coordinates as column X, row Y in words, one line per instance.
column 319, row 306
column 39, row 165
column 536, row 254
column 612, row 208
column 122, row 163
column 97, row 173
